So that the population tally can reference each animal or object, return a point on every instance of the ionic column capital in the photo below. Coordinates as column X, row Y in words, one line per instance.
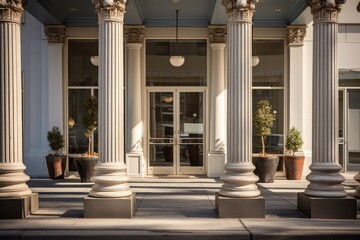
column 217, row 34
column 11, row 10
column 325, row 10
column 296, row 35
column 134, row 34
column 239, row 10
column 55, row 33
column 110, row 9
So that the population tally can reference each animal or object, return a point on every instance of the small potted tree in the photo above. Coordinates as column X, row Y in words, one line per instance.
column 266, row 164
column 293, row 163
column 56, row 162
column 85, row 163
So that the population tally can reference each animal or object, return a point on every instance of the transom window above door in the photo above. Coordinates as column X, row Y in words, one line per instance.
column 159, row 71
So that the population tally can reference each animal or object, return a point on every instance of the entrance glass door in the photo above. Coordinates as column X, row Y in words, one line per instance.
column 353, row 126
column 176, row 132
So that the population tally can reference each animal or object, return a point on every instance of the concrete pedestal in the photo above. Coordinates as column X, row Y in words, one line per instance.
column 227, row 207
column 18, row 207
column 109, row 207
column 327, row 208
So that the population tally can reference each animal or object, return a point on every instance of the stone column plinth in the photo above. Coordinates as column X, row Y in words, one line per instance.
column 216, row 156
column 325, row 178
column 239, row 179
column 134, row 154
column 16, row 199
column 111, row 181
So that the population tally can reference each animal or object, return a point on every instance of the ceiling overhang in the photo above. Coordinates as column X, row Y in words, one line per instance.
column 161, row 13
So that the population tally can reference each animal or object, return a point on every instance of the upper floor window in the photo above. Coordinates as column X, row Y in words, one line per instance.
column 81, row 71
column 159, row 71
column 270, row 70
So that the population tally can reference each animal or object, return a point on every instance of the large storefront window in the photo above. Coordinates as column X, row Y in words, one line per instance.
column 159, row 71
column 268, row 84
column 82, row 83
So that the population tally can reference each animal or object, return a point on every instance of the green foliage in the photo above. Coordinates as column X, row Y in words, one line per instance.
column 90, row 119
column 294, row 140
column 263, row 121
column 55, row 139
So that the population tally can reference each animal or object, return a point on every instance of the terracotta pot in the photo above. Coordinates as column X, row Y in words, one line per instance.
column 293, row 167
column 56, row 166
column 85, row 167
column 266, row 168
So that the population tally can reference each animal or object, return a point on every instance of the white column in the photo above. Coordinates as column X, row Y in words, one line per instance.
column 216, row 156
column 239, row 179
column 134, row 155
column 12, row 177
column 56, row 40
column 110, row 174
column 295, row 42
column 299, row 94
column 325, row 179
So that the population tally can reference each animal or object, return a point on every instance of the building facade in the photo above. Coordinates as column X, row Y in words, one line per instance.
column 175, row 118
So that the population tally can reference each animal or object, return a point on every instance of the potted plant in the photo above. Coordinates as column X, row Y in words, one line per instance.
column 293, row 163
column 85, row 163
column 266, row 164
column 56, row 162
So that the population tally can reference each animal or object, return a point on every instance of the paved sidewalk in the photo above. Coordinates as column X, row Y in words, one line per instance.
column 174, row 208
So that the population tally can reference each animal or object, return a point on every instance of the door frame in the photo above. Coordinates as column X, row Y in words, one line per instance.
column 175, row 169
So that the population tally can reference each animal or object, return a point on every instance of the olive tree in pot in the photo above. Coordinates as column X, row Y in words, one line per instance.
column 85, row 163
column 56, row 162
column 266, row 164
column 293, row 163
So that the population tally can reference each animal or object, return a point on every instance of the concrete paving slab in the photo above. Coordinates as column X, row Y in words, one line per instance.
column 174, row 208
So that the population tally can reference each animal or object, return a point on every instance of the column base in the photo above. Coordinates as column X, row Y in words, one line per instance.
column 227, row 207
column 327, row 208
column 216, row 163
column 134, row 163
column 109, row 207
column 18, row 207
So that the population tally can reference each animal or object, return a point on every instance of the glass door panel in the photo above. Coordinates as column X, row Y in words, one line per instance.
column 191, row 129
column 161, row 130
column 341, row 129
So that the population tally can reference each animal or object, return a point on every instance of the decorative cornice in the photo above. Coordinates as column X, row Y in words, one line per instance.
column 55, row 33
column 217, row 34
column 134, row 34
column 325, row 10
column 11, row 10
column 295, row 35
column 110, row 9
column 239, row 10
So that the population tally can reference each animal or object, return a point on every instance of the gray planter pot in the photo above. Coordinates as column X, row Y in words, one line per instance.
column 85, row 167
column 266, row 168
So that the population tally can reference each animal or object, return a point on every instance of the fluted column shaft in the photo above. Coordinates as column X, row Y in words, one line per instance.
column 110, row 174
column 239, row 177
column 325, row 179
column 12, row 177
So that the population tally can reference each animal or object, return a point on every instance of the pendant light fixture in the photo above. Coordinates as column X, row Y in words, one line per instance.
column 177, row 60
